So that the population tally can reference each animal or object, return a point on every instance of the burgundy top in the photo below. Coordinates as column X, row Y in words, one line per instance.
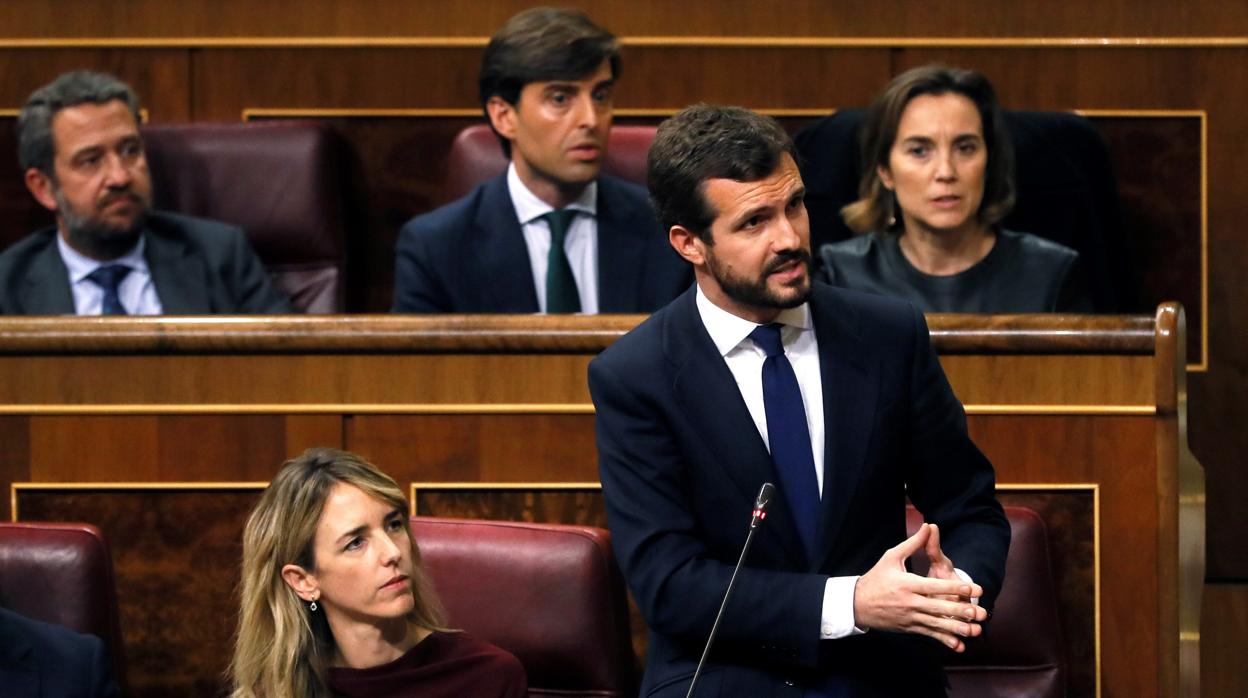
column 443, row 665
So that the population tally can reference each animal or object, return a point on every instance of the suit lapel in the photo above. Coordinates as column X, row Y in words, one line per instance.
column 45, row 290
column 177, row 276
column 506, row 271
column 620, row 256
column 850, row 380
column 707, row 393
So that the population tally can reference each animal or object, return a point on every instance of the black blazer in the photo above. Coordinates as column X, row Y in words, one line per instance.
column 40, row 660
column 681, row 461
column 469, row 256
column 199, row 267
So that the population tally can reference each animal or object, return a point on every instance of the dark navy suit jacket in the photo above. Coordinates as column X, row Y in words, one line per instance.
column 469, row 256
column 681, row 462
column 40, row 660
column 199, row 267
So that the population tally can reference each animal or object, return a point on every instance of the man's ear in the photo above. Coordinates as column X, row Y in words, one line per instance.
column 502, row 116
column 886, row 177
column 688, row 245
column 302, row 581
column 41, row 187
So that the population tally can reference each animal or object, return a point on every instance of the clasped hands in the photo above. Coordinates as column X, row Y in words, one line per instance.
column 939, row 605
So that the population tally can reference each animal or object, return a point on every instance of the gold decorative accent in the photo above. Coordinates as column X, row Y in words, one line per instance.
column 251, row 113
column 191, row 42
column 1062, row 409
column 310, row 408
column 209, row 486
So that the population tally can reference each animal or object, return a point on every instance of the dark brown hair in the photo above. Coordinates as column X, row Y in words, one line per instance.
column 875, row 206
column 539, row 44
column 709, row 142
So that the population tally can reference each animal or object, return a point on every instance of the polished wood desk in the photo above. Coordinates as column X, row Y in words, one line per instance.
column 162, row 431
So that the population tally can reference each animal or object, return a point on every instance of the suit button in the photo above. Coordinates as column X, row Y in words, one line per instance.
column 788, row 682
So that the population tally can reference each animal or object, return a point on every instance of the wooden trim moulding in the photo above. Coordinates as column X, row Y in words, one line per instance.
column 493, row 334
column 834, row 42
column 210, row 486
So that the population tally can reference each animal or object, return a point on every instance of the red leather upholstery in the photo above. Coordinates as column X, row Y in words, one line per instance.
column 62, row 573
column 280, row 180
column 549, row 594
column 1021, row 651
column 476, row 156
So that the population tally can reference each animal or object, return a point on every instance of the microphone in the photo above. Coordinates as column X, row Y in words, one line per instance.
column 765, row 495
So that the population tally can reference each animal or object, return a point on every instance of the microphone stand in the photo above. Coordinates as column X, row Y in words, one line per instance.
column 760, row 513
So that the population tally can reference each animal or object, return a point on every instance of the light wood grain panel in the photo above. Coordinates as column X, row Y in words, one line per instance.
column 156, row 448
column 478, row 448
column 161, row 77
column 294, row 380
column 1050, row 380
column 1119, row 454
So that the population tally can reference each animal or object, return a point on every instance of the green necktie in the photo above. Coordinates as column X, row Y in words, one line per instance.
column 561, row 293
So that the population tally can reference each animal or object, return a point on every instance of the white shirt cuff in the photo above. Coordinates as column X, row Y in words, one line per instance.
column 966, row 578
column 837, row 619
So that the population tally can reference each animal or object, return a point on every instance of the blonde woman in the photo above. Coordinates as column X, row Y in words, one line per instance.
column 334, row 599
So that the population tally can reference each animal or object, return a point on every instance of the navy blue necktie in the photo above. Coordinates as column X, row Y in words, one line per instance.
column 561, row 292
column 788, row 435
column 108, row 277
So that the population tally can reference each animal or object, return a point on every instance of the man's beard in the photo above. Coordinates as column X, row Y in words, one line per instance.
column 756, row 293
column 94, row 237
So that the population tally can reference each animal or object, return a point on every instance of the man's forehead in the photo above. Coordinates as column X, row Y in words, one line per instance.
column 735, row 195
column 82, row 125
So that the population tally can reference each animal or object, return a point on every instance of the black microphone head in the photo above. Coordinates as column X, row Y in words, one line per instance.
column 765, row 493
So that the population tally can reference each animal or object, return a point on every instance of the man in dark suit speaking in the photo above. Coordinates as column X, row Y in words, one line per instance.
column 759, row 375
column 550, row 234
column 80, row 148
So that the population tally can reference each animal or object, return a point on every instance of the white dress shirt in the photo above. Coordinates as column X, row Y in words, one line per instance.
column 136, row 292
column 731, row 335
column 580, row 245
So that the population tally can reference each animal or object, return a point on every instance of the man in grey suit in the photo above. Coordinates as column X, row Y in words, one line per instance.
column 551, row 234
column 109, row 254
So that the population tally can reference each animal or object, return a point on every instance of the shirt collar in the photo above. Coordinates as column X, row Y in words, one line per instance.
column 80, row 265
column 728, row 331
column 529, row 207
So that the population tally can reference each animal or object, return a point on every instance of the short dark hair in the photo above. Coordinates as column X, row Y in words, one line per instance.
column 539, row 44
column 874, row 207
column 709, row 142
column 34, row 125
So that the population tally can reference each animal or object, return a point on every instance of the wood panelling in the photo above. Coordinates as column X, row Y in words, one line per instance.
column 1044, row 380
column 1119, row 454
column 479, row 448
column 390, row 18
column 161, row 448
column 480, row 400
column 1224, row 634
column 161, row 77
column 175, row 556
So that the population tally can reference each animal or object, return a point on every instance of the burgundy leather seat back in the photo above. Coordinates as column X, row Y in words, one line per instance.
column 476, row 156
column 61, row 573
column 1021, row 651
column 280, row 180
column 549, row 594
